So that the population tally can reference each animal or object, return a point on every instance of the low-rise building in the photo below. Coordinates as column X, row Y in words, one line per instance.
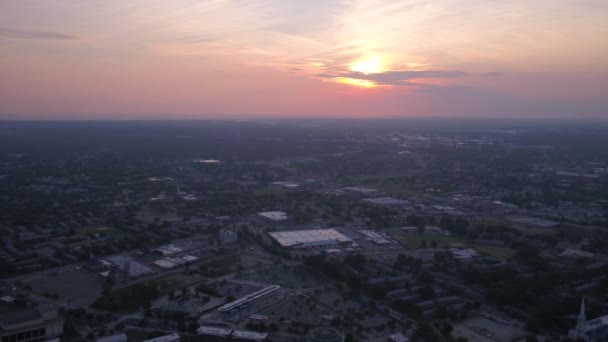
column 166, row 338
column 251, row 303
column 248, row 336
column 24, row 323
column 114, row 338
column 274, row 215
column 212, row 334
column 310, row 238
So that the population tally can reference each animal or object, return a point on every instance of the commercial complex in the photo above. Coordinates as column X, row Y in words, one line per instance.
column 248, row 304
column 310, row 238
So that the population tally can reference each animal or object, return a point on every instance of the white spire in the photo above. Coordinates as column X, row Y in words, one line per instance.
column 579, row 332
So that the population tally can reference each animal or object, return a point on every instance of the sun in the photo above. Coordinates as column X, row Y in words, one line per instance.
column 368, row 65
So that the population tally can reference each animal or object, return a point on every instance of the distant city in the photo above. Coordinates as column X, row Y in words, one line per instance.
column 303, row 230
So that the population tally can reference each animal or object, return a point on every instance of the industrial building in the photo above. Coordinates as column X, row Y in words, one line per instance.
column 310, row 238
column 247, row 305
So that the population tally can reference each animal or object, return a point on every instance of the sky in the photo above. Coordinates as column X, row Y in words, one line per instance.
column 95, row 59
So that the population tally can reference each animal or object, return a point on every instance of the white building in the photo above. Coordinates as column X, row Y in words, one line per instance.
column 310, row 238
column 274, row 215
column 251, row 303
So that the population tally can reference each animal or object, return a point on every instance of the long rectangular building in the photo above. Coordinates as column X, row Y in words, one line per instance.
column 248, row 298
column 310, row 238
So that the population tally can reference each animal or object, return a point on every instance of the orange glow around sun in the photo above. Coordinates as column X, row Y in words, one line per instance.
column 366, row 65
column 356, row 82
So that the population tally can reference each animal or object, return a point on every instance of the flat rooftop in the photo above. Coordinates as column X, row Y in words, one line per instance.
column 274, row 215
column 313, row 237
column 214, row 331
column 252, row 335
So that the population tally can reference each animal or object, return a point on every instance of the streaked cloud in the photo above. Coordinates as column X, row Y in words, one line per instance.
column 20, row 34
column 400, row 78
column 224, row 56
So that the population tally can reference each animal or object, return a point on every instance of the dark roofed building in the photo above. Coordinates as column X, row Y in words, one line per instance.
column 28, row 324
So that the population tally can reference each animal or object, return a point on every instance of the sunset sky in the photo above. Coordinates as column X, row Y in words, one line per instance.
column 296, row 58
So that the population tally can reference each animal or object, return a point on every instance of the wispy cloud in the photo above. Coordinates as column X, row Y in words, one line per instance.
column 20, row 34
column 400, row 78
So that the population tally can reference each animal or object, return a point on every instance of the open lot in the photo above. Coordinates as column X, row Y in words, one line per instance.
column 497, row 252
column 414, row 240
column 293, row 277
column 489, row 328
column 296, row 307
column 130, row 298
column 74, row 286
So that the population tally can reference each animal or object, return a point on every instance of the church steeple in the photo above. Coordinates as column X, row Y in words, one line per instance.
column 581, row 323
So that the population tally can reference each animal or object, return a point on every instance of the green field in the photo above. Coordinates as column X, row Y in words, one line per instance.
column 502, row 253
column 413, row 240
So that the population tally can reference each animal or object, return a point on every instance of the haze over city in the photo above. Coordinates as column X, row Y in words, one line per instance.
column 303, row 170
column 99, row 59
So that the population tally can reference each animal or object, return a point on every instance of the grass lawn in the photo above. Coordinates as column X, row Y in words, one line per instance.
column 412, row 240
column 501, row 253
